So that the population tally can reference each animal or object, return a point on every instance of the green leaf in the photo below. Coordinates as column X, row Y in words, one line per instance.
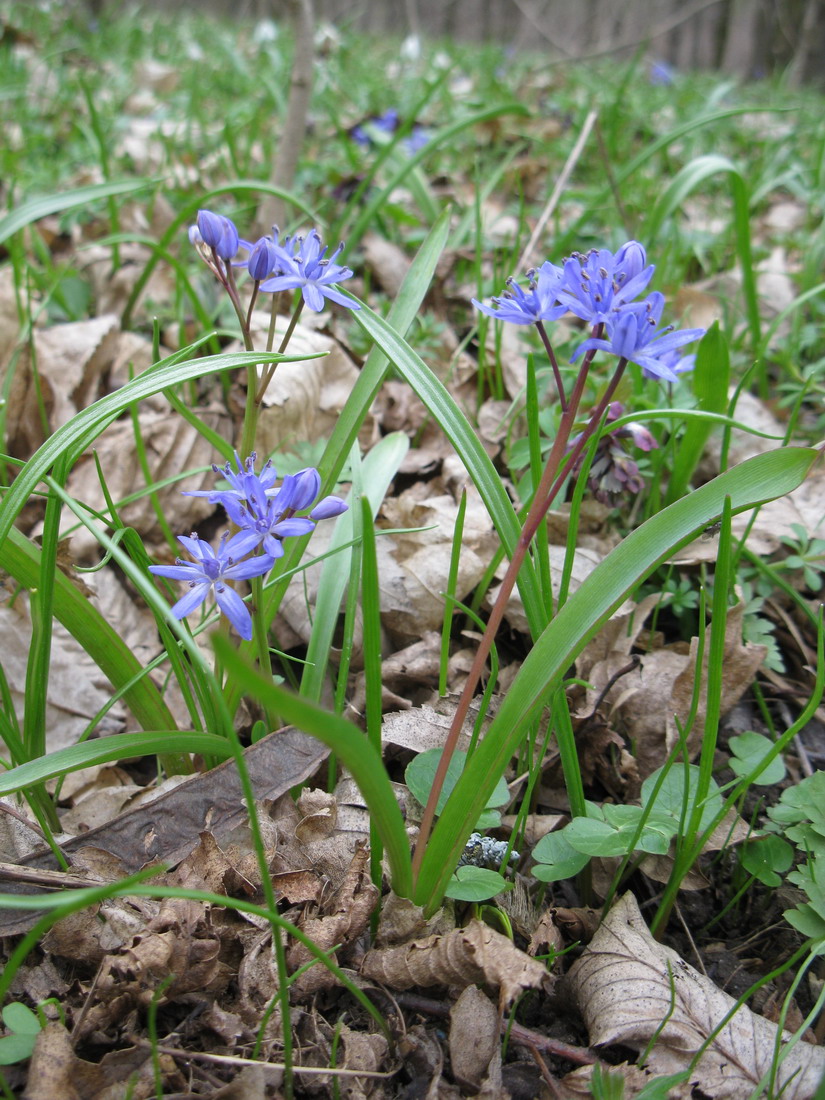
column 753, row 482
column 765, row 856
column 119, row 746
column 476, row 884
column 35, row 209
column 20, row 1018
column 710, row 384
column 25, row 1027
column 557, row 859
column 379, row 468
column 677, row 794
column 595, row 838
column 749, row 750
column 420, row 773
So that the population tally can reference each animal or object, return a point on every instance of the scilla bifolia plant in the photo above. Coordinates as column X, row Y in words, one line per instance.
column 604, row 289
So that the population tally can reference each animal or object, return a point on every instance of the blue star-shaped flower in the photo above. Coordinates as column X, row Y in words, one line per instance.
column 212, row 569
column 304, row 267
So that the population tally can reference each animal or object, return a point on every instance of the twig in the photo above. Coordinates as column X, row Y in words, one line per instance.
column 558, row 190
column 519, row 1034
column 57, row 880
column 230, row 1060
column 272, row 210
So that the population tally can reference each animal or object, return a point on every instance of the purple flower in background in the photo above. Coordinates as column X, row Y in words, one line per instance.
column 633, row 334
column 212, row 569
column 613, row 471
column 527, row 307
column 304, row 267
column 363, row 132
column 598, row 284
column 661, row 72
column 217, row 233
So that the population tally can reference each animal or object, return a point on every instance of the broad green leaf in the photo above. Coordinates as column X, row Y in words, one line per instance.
column 765, row 856
column 595, row 838
column 420, row 773
column 749, row 750
column 753, row 482
column 119, row 746
column 20, row 1018
column 556, row 859
column 476, row 884
column 677, row 793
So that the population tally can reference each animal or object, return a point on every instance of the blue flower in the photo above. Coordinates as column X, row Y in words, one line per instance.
column 596, row 285
column 633, row 334
column 217, row 233
column 660, row 72
column 304, row 267
column 528, row 307
column 211, row 570
column 254, row 505
column 265, row 257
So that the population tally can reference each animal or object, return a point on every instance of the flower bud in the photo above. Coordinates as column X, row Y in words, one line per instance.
column 219, row 233
column 328, row 507
column 630, row 260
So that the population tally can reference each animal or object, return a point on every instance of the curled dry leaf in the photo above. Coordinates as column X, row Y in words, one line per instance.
column 630, row 988
column 467, row 956
column 343, row 919
column 475, row 1050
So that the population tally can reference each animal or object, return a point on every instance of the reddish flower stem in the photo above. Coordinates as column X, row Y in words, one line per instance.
column 555, row 472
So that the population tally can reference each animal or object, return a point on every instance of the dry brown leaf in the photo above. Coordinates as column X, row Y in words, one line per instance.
column 387, row 261
column 77, row 689
column 475, row 1049
column 740, row 663
column 71, row 359
column 52, row 1068
column 344, row 917
column 584, row 562
column 305, row 398
column 630, row 988
column 171, row 445
column 466, row 956
column 168, row 828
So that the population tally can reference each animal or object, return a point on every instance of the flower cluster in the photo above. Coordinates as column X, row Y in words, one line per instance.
column 368, row 132
column 613, row 472
column 295, row 263
column 602, row 288
column 265, row 515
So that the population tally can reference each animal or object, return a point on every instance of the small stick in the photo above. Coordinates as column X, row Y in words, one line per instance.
column 558, row 190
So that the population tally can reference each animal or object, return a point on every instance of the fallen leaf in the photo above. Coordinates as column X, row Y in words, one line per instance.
column 466, row 956
column 168, row 828
column 632, row 990
column 475, row 1047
